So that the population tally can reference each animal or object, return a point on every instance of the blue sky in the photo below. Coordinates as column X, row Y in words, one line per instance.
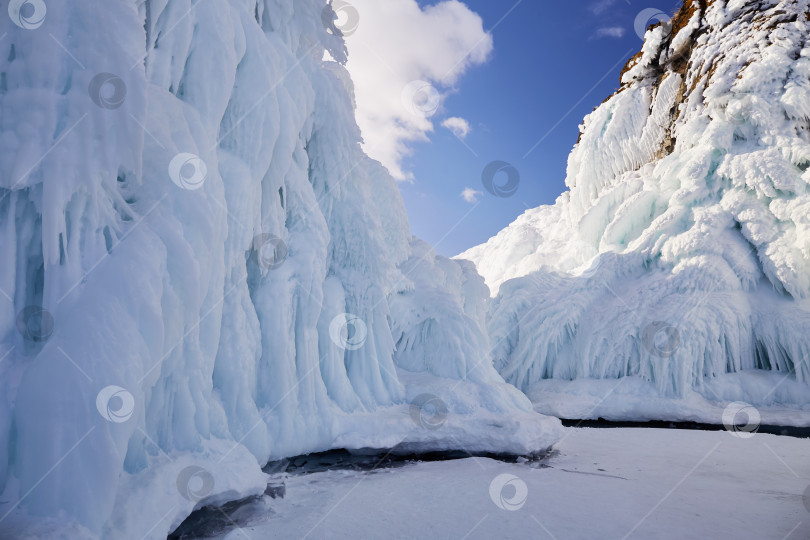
column 552, row 64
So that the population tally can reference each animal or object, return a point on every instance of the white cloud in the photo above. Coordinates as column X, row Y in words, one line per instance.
column 471, row 195
column 395, row 44
column 610, row 31
column 459, row 126
column 600, row 6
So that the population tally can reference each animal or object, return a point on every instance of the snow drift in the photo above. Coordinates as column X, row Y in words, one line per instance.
column 681, row 253
column 203, row 271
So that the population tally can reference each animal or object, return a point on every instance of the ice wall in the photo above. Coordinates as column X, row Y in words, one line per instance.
column 681, row 251
column 203, row 271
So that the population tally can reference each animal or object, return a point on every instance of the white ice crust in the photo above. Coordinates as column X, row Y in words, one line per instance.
column 231, row 356
column 681, row 252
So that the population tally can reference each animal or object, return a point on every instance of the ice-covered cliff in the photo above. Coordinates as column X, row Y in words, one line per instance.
column 202, row 270
column 678, row 263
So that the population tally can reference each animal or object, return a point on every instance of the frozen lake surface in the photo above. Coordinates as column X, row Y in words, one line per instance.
column 599, row 483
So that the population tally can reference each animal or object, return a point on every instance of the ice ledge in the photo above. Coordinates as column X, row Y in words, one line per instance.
column 633, row 399
column 445, row 415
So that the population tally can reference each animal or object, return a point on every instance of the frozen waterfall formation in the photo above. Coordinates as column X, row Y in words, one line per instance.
column 203, row 271
column 675, row 272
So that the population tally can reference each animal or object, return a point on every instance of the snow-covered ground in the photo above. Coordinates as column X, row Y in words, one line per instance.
column 603, row 483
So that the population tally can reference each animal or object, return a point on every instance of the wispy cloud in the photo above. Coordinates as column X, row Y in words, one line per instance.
column 609, row 31
column 471, row 195
column 600, row 6
column 459, row 126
